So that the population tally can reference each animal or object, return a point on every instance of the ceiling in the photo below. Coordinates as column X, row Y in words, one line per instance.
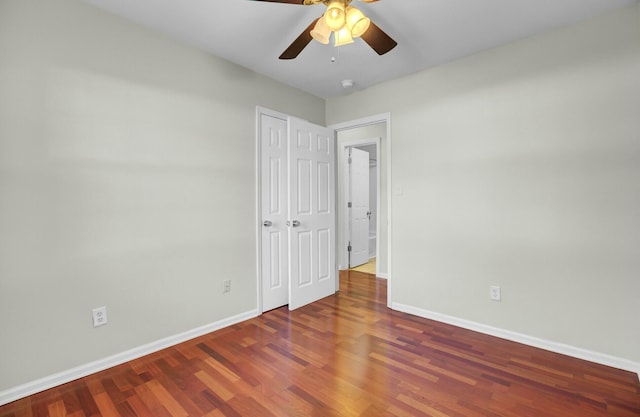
column 429, row 33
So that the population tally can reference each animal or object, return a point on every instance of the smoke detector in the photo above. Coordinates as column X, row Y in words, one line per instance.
column 346, row 84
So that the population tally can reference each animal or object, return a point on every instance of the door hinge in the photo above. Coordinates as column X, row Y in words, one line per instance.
column 349, row 160
column 349, row 247
column 349, row 204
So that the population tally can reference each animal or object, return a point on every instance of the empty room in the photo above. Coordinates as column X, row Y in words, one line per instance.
column 186, row 188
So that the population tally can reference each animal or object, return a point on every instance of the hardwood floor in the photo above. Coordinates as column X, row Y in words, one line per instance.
column 346, row 355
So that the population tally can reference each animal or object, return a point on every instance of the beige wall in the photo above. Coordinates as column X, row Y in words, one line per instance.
column 127, row 179
column 520, row 167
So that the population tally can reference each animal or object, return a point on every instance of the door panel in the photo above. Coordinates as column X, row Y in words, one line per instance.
column 274, row 238
column 324, row 187
column 324, row 255
column 304, row 186
column 312, row 241
column 304, row 273
column 358, row 214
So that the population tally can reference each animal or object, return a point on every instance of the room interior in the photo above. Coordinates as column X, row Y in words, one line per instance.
column 128, row 180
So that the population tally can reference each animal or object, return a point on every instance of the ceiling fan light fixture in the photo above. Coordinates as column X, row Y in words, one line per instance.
column 321, row 32
column 343, row 37
column 335, row 17
column 357, row 22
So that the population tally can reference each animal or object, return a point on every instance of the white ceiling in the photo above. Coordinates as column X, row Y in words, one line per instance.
column 429, row 32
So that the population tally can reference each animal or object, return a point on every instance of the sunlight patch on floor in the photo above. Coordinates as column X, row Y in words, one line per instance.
column 368, row 268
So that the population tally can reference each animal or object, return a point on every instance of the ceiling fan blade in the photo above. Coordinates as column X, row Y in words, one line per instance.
column 378, row 40
column 300, row 43
column 284, row 1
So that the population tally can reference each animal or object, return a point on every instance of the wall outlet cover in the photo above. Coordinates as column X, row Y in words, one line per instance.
column 495, row 293
column 99, row 316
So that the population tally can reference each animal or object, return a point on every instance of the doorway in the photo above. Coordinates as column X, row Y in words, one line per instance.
column 372, row 131
column 358, row 132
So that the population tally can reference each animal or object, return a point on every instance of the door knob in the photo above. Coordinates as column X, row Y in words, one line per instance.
column 295, row 223
column 267, row 223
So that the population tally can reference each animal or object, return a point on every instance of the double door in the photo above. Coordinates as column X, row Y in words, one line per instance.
column 297, row 212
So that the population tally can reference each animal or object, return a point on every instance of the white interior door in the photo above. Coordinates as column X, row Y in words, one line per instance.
column 359, row 211
column 312, row 271
column 274, row 205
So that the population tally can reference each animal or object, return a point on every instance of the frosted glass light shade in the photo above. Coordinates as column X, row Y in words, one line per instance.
column 335, row 17
column 321, row 32
column 343, row 37
column 357, row 22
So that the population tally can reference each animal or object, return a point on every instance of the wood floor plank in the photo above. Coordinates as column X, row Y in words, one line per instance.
column 165, row 398
column 215, row 386
column 57, row 409
column 152, row 402
column 346, row 355
column 139, row 407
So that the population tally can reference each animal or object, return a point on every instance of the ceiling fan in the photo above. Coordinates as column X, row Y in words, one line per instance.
column 344, row 21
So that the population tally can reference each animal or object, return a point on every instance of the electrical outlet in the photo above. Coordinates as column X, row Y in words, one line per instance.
column 99, row 316
column 494, row 293
column 226, row 286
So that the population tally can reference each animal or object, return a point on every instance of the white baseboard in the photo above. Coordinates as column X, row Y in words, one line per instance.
column 81, row 371
column 556, row 347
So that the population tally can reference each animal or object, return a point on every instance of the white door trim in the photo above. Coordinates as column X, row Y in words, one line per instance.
column 366, row 121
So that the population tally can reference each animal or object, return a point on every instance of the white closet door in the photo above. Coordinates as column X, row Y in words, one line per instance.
column 274, row 205
column 312, row 272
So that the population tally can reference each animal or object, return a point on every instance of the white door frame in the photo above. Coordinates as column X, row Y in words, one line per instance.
column 345, row 210
column 367, row 121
